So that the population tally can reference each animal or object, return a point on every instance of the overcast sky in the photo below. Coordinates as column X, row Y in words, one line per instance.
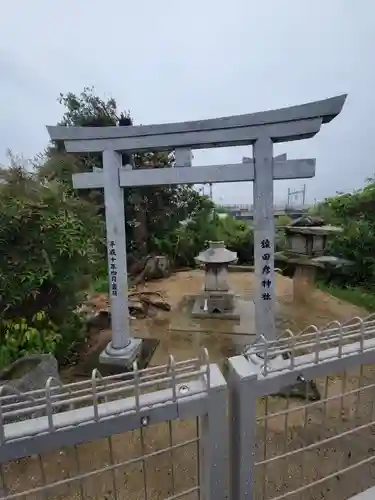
column 168, row 60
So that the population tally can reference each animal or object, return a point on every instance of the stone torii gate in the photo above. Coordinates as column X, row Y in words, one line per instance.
column 260, row 130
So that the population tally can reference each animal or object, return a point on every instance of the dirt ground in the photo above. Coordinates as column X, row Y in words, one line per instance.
column 276, row 435
column 182, row 337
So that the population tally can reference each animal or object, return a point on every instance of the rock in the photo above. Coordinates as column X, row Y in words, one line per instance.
column 156, row 267
column 27, row 374
column 137, row 308
column 302, row 389
column 157, row 302
column 136, row 266
column 99, row 321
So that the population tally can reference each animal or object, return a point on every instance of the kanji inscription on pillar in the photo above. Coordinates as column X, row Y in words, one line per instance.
column 113, row 267
column 266, row 283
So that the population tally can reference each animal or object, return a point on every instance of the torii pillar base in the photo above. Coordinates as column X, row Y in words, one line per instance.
column 121, row 358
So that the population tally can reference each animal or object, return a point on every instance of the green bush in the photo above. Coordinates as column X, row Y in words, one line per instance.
column 282, row 220
column 20, row 337
column 184, row 244
column 50, row 245
column 238, row 237
column 356, row 296
column 72, row 330
column 355, row 213
column 49, row 242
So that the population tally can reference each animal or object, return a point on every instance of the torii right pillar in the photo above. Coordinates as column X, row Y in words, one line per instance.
column 264, row 225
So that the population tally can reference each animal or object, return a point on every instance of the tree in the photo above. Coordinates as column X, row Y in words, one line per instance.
column 355, row 213
column 48, row 246
column 52, row 239
column 153, row 214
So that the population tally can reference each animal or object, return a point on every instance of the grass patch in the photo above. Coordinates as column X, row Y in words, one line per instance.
column 357, row 296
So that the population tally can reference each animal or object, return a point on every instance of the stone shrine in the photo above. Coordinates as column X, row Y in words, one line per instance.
column 259, row 130
column 217, row 300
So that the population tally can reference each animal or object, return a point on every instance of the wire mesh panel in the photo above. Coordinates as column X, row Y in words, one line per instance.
column 312, row 397
column 156, row 462
column 147, row 437
column 325, row 448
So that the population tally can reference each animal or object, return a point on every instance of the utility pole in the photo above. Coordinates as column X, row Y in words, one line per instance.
column 297, row 192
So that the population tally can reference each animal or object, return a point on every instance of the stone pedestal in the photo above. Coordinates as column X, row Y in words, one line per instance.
column 123, row 357
column 306, row 240
column 303, row 283
column 216, row 305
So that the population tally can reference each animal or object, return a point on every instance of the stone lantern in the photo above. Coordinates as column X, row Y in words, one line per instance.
column 307, row 237
column 217, row 300
column 306, row 241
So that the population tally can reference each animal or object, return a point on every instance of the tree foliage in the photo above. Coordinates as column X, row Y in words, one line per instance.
column 48, row 245
column 173, row 220
column 355, row 213
column 153, row 214
column 49, row 241
column 52, row 239
column 18, row 338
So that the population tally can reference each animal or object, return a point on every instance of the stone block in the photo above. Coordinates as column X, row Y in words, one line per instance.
column 27, row 374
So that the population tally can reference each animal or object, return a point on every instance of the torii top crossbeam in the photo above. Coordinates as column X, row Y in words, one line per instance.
column 281, row 125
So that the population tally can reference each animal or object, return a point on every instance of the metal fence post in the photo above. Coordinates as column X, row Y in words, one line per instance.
column 242, row 424
column 214, row 440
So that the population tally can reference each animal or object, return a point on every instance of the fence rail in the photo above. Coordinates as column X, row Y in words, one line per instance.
column 313, row 446
column 334, row 341
column 91, row 393
column 99, row 409
column 301, row 425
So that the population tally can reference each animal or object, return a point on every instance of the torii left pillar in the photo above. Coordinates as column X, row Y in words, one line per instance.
column 123, row 348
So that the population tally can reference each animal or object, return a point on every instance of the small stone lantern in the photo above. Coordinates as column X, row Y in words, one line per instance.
column 217, row 300
column 306, row 241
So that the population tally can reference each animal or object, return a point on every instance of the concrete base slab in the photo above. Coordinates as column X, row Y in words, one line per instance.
column 124, row 357
column 148, row 347
column 198, row 312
